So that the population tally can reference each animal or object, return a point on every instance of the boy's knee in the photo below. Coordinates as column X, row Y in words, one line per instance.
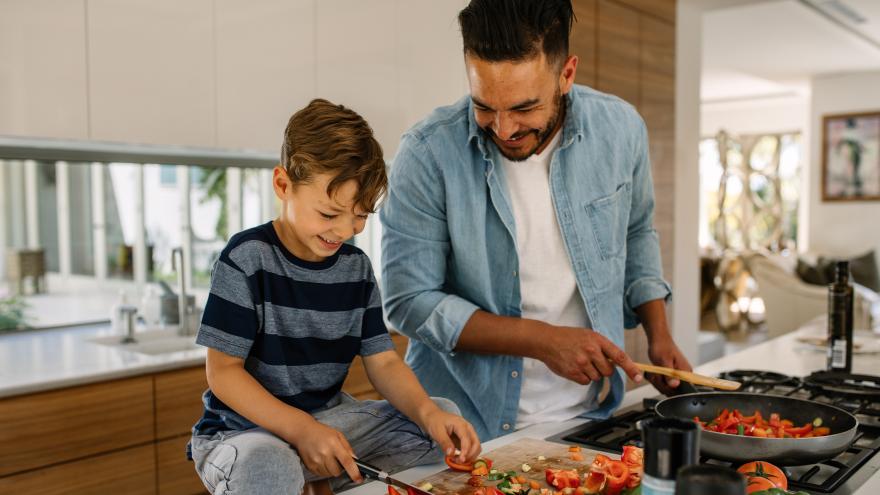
column 268, row 468
column 446, row 405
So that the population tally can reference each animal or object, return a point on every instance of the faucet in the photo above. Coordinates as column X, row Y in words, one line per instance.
column 182, row 306
column 126, row 315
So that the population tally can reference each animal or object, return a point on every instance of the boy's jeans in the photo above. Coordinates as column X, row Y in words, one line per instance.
column 258, row 462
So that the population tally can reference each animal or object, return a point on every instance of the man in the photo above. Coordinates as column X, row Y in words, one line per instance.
column 518, row 238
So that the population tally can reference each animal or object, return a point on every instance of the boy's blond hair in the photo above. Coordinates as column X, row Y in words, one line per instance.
column 325, row 138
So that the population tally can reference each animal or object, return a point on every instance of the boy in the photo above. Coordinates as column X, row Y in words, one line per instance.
column 290, row 307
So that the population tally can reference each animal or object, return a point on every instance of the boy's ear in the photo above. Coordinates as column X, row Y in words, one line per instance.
column 280, row 182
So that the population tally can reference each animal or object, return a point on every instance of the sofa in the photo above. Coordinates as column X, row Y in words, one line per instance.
column 790, row 302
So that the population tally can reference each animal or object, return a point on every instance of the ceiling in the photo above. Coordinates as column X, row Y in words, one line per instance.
column 769, row 48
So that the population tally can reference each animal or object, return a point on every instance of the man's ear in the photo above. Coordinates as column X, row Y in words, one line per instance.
column 569, row 71
column 280, row 182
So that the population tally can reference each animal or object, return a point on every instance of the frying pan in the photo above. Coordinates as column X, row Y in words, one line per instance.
column 783, row 451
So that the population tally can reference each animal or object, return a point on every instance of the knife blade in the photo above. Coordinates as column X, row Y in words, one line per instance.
column 372, row 472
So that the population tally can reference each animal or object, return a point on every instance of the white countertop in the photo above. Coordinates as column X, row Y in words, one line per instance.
column 38, row 360
column 783, row 355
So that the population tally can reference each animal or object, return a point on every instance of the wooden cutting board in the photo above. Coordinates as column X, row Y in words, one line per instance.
column 511, row 457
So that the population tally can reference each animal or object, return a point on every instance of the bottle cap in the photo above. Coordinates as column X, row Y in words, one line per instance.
column 670, row 443
column 709, row 479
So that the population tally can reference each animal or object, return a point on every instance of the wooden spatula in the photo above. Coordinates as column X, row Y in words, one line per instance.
column 687, row 376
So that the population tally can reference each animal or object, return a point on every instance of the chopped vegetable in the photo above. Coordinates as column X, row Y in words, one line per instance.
column 576, row 456
column 734, row 423
column 574, row 448
column 426, row 486
column 562, row 478
column 526, row 468
column 541, row 458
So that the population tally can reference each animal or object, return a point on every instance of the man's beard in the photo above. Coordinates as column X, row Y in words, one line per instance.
column 542, row 135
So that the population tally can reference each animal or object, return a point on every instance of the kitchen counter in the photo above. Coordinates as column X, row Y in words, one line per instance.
column 783, row 355
column 39, row 360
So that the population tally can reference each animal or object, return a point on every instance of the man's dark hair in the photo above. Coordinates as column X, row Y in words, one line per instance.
column 516, row 30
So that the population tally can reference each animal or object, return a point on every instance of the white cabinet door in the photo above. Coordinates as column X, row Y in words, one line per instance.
column 43, row 68
column 265, row 69
column 429, row 57
column 356, row 62
column 151, row 71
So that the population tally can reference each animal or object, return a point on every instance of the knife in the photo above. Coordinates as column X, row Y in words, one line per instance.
column 372, row 472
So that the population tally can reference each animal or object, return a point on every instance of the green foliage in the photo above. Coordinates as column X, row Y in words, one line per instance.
column 214, row 180
column 12, row 313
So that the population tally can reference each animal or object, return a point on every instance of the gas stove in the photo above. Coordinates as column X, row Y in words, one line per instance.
column 841, row 475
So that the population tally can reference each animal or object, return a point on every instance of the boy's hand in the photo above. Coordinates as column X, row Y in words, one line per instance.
column 326, row 452
column 443, row 426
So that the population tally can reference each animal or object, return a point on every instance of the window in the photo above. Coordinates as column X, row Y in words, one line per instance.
column 749, row 191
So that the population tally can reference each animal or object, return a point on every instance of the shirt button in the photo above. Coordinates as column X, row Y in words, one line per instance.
column 514, row 273
column 505, row 426
column 514, row 374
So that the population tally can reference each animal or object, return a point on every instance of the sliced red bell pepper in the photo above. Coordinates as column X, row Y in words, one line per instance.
column 803, row 430
column 562, row 478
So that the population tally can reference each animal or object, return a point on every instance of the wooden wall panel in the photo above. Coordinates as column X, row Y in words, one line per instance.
column 62, row 425
column 617, row 65
column 582, row 41
column 176, row 474
column 657, row 106
column 131, row 471
column 179, row 400
column 663, row 9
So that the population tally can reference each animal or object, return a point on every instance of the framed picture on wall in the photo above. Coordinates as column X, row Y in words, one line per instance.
column 851, row 157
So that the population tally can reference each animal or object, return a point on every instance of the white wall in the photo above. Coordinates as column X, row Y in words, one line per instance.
column 685, row 276
column 840, row 228
column 755, row 116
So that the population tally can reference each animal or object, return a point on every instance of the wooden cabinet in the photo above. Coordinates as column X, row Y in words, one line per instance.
column 122, row 436
column 130, row 471
column 175, row 475
column 58, row 426
column 179, row 401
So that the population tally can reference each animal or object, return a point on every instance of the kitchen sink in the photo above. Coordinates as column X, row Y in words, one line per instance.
column 152, row 342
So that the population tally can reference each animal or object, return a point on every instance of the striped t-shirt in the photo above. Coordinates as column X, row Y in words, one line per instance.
column 297, row 324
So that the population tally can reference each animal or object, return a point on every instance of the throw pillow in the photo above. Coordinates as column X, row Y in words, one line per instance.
column 864, row 270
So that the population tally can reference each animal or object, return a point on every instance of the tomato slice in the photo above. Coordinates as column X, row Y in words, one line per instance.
column 456, row 466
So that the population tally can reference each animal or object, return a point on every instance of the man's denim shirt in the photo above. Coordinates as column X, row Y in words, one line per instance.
column 449, row 244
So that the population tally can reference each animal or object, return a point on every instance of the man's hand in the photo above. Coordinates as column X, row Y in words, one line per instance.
column 663, row 352
column 325, row 451
column 582, row 355
column 444, row 426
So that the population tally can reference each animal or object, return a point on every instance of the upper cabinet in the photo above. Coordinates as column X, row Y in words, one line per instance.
column 43, row 68
column 151, row 71
column 356, row 53
column 266, row 69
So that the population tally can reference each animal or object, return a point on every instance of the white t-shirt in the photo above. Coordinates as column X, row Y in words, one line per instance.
column 547, row 285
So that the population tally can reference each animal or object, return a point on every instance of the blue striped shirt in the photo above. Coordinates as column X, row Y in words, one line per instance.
column 297, row 324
